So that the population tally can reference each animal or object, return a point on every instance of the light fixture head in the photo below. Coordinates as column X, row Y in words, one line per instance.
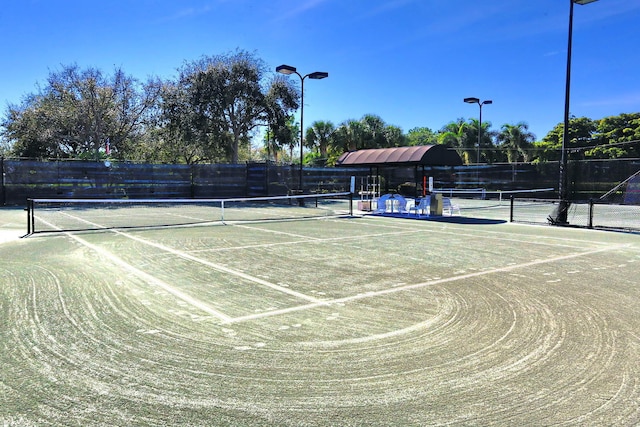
column 472, row 100
column 317, row 75
column 488, row 101
column 285, row 69
column 583, row 1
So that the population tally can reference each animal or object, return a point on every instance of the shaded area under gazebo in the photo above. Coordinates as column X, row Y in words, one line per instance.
column 417, row 157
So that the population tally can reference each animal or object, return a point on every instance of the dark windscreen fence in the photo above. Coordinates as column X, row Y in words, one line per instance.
column 24, row 179
column 632, row 190
column 49, row 215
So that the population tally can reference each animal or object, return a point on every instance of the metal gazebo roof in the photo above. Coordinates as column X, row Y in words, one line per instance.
column 425, row 155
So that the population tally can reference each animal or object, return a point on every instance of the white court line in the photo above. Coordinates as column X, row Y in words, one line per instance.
column 147, row 277
column 373, row 294
column 210, row 264
column 307, row 239
column 452, row 230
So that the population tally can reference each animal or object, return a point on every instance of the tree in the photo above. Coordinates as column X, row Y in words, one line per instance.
column 78, row 111
column 580, row 135
column 369, row 132
column 421, row 136
column 218, row 101
column 318, row 137
column 456, row 135
column 487, row 152
column 616, row 136
column 292, row 128
column 517, row 141
column 348, row 136
column 394, row 137
column 373, row 132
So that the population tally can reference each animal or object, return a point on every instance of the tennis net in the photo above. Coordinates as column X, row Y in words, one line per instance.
column 484, row 194
column 94, row 214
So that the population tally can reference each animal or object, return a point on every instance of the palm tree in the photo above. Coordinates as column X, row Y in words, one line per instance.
column 271, row 145
column 348, row 136
column 374, row 132
column 455, row 135
column 486, row 148
column 318, row 136
column 517, row 140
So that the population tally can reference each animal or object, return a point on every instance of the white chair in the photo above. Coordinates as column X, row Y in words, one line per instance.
column 449, row 208
column 398, row 204
column 421, row 207
column 381, row 203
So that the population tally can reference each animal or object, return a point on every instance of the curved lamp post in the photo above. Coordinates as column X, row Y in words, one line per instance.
column 477, row 101
column 563, row 206
column 317, row 75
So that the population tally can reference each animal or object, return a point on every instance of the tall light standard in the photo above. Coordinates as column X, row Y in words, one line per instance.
column 563, row 206
column 477, row 101
column 317, row 75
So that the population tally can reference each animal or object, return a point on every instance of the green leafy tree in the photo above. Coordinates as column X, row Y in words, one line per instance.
column 580, row 135
column 394, row 136
column 218, row 101
column 616, row 137
column 422, row 136
column 78, row 111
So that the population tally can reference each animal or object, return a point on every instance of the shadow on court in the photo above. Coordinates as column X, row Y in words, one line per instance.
column 447, row 219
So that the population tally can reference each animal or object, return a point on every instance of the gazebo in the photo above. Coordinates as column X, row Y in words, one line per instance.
column 419, row 157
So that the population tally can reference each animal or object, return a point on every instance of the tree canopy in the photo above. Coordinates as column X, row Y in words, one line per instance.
column 216, row 105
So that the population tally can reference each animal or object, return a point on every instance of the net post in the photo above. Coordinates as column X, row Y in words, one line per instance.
column 222, row 210
column 590, row 223
column 30, row 216
column 511, row 208
column 351, row 204
column 352, row 189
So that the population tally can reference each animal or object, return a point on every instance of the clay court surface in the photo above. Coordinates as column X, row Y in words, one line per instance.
column 336, row 321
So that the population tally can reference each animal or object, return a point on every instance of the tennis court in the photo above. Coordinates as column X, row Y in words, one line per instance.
column 335, row 320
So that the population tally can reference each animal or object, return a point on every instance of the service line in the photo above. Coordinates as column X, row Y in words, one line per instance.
column 147, row 277
column 373, row 294
column 209, row 264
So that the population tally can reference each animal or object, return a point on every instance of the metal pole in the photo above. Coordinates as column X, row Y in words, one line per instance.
column 479, row 139
column 563, row 206
column 301, row 126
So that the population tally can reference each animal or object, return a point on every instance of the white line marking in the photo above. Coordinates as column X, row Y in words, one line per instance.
column 307, row 239
column 210, row 264
column 423, row 284
column 147, row 277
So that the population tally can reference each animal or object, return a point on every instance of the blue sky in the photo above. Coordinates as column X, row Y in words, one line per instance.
column 409, row 61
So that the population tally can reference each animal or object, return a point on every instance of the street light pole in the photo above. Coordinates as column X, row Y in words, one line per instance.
column 317, row 75
column 480, row 104
column 563, row 206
